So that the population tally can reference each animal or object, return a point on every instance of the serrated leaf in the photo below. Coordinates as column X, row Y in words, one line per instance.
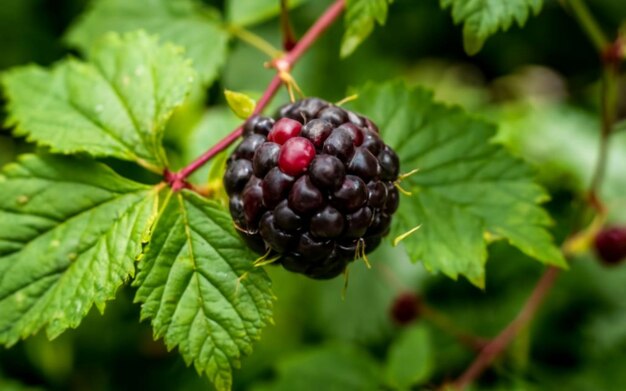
column 189, row 286
column 250, row 12
column 467, row 186
column 186, row 23
column 69, row 234
column 241, row 104
column 330, row 367
column 360, row 19
column 410, row 358
column 116, row 105
column 483, row 18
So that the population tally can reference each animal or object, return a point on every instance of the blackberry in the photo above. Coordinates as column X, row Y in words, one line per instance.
column 313, row 187
column 405, row 308
column 610, row 245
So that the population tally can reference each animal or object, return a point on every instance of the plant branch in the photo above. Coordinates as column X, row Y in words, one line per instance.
column 445, row 324
column 254, row 41
column 498, row 344
column 289, row 37
column 178, row 180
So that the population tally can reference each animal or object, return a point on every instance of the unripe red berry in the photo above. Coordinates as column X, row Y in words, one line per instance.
column 405, row 308
column 610, row 245
column 283, row 130
column 295, row 155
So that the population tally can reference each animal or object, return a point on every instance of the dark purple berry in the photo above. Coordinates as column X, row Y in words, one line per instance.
column 358, row 222
column 356, row 119
column 295, row 155
column 610, row 245
column 252, row 196
column 276, row 186
column 363, row 164
column 314, row 248
column 286, row 218
column 372, row 142
column 351, row 195
column 310, row 107
column 355, row 133
column 317, row 131
column 304, row 197
column 339, row 144
column 327, row 223
column 237, row 175
column 376, row 194
column 333, row 114
column 277, row 239
column 259, row 125
column 249, row 145
column 283, row 130
column 235, row 206
column 327, row 172
column 389, row 163
column 265, row 158
column 405, row 308
column 393, row 199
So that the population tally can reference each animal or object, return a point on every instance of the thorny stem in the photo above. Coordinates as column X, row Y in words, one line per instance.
column 609, row 104
column 178, row 180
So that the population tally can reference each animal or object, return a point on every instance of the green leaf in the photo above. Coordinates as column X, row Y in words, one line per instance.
column 483, row 18
column 70, row 232
column 186, row 23
column 116, row 105
column 360, row 19
column 241, row 104
column 189, row 284
column 250, row 12
column 410, row 358
column 467, row 186
column 331, row 367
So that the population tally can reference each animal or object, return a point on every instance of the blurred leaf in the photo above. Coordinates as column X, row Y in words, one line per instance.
column 466, row 185
column 70, row 234
column 360, row 19
column 410, row 358
column 115, row 106
column 241, row 104
column 331, row 367
column 186, row 23
column 250, row 12
column 197, row 284
column 483, row 18
column 13, row 385
column 363, row 315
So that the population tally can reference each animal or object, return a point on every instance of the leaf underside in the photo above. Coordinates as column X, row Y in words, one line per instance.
column 483, row 18
column 191, row 286
column 361, row 17
column 70, row 232
column 467, row 187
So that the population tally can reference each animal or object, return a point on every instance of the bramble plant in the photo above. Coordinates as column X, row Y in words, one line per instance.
column 108, row 194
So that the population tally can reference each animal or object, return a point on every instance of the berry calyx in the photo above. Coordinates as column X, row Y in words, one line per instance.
column 283, row 130
column 313, row 189
column 610, row 245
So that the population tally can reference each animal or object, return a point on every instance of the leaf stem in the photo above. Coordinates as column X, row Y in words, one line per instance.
column 445, row 324
column 588, row 23
column 255, row 41
column 178, row 180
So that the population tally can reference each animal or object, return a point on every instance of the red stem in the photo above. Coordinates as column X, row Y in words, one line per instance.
column 177, row 180
column 499, row 343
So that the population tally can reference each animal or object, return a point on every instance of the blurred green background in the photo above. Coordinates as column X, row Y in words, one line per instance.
column 539, row 83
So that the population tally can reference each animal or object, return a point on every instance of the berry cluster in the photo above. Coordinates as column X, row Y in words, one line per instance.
column 315, row 187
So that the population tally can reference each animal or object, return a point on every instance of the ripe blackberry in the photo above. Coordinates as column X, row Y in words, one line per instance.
column 314, row 187
column 610, row 245
column 405, row 308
